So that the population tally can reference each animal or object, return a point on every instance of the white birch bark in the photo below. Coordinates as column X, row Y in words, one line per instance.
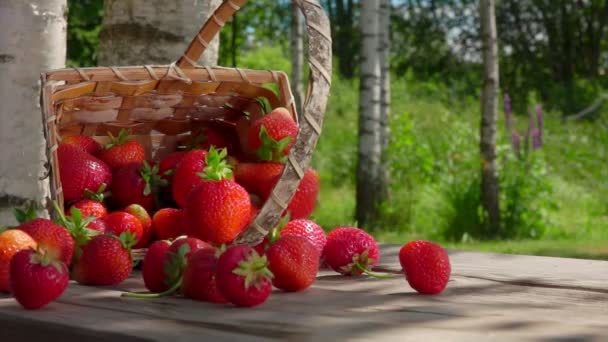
column 370, row 146
column 385, row 92
column 137, row 32
column 297, row 57
column 32, row 41
column 489, row 113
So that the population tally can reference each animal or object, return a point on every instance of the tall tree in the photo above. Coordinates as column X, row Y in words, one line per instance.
column 153, row 32
column 33, row 41
column 384, row 49
column 345, row 38
column 370, row 145
column 297, row 56
column 489, row 109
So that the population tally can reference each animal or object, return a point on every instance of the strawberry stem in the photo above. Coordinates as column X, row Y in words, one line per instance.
column 371, row 273
column 166, row 293
column 26, row 215
column 120, row 139
column 217, row 168
column 272, row 150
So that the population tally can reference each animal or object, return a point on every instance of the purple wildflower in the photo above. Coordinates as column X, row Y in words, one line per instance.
column 536, row 139
column 515, row 142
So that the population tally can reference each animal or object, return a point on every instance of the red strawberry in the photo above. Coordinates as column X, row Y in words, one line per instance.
column 261, row 247
column 80, row 171
column 11, row 242
column 350, row 251
column 304, row 201
column 273, row 135
column 37, row 279
column 294, row 262
column 136, row 184
column 98, row 225
column 186, row 175
column 119, row 222
column 258, row 178
column 167, row 166
column 307, row 229
column 194, row 245
column 167, row 223
column 218, row 209
column 55, row 239
column 120, row 152
column 105, row 260
column 146, row 223
column 90, row 207
column 199, row 279
column 208, row 137
column 426, row 266
column 243, row 276
column 84, row 142
column 153, row 269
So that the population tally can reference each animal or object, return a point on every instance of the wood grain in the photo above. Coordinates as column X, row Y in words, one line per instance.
column 490, row 296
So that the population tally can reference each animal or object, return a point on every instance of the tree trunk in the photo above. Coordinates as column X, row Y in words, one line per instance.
column 370, row 146
column 385, row 93
column 297, row 57
column 33, row 41
column 489, row 173
column 136, row 32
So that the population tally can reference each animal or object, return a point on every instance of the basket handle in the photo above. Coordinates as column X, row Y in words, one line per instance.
column 311, row 123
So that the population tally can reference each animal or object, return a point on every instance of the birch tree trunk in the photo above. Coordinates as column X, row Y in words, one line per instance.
column 489, row 173
column 137, row 32
column 33, row 40
column 385, row 93
column 297, row 56
column 370, row 146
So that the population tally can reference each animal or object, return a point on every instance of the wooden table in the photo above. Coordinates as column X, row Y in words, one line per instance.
column 490, row 297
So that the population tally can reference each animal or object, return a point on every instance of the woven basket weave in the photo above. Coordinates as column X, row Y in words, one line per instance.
column 162, row 105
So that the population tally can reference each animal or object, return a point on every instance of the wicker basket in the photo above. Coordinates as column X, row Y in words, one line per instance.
column 162, row 105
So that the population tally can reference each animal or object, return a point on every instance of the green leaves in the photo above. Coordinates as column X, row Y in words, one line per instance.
column 254, row 269
column 152, row 178
column 26, row 215
column 121, row 138
column 217, row 168
column 272, row 150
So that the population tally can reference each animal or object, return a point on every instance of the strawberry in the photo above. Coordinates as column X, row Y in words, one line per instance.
column 272, row 135
column 167, row 166
column 294, row 262
column 426, row 266
column 146, row 223
column 136, row 184
column 119, row 222
column 167, row 223
column 79, row 227
column 218, row 209
column 305, row 199
column 307, row 229
column 120, row 152
column 55, row 239
column 153, row 269
column 80, row 171
column 199, row 279
column 258, row 178
column 11, row 242
column 209, row 136
column 37, row 279
column 350, row 251
column 83, row 142
column 105, row 260
column 186, row 175
column 243, row 276
column 194, row 245
column 90, row 207
column 98, row 225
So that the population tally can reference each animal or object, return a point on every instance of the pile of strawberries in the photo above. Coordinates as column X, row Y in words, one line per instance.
column 187, row 210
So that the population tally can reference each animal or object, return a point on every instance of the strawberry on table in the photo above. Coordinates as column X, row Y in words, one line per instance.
column 426, row 266
column 120, row 222
column 105, row 260
column 307, row 229
column 350, row 251
column 243, row 276
column 218, row 209
column 146, row 223
column 84, row 142
column 11, row 242
column 200, row 277
column 120, row 152
column 167, row 223
column 153, row 269
column 294, row 262
column 272, row 135
column 55, row 239
column 37, row 279
column 80, row 171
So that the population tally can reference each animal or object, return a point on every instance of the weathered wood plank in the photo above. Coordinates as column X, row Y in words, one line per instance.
column 489, row 296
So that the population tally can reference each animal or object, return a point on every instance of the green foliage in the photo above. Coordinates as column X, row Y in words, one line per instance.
column 84, row 25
